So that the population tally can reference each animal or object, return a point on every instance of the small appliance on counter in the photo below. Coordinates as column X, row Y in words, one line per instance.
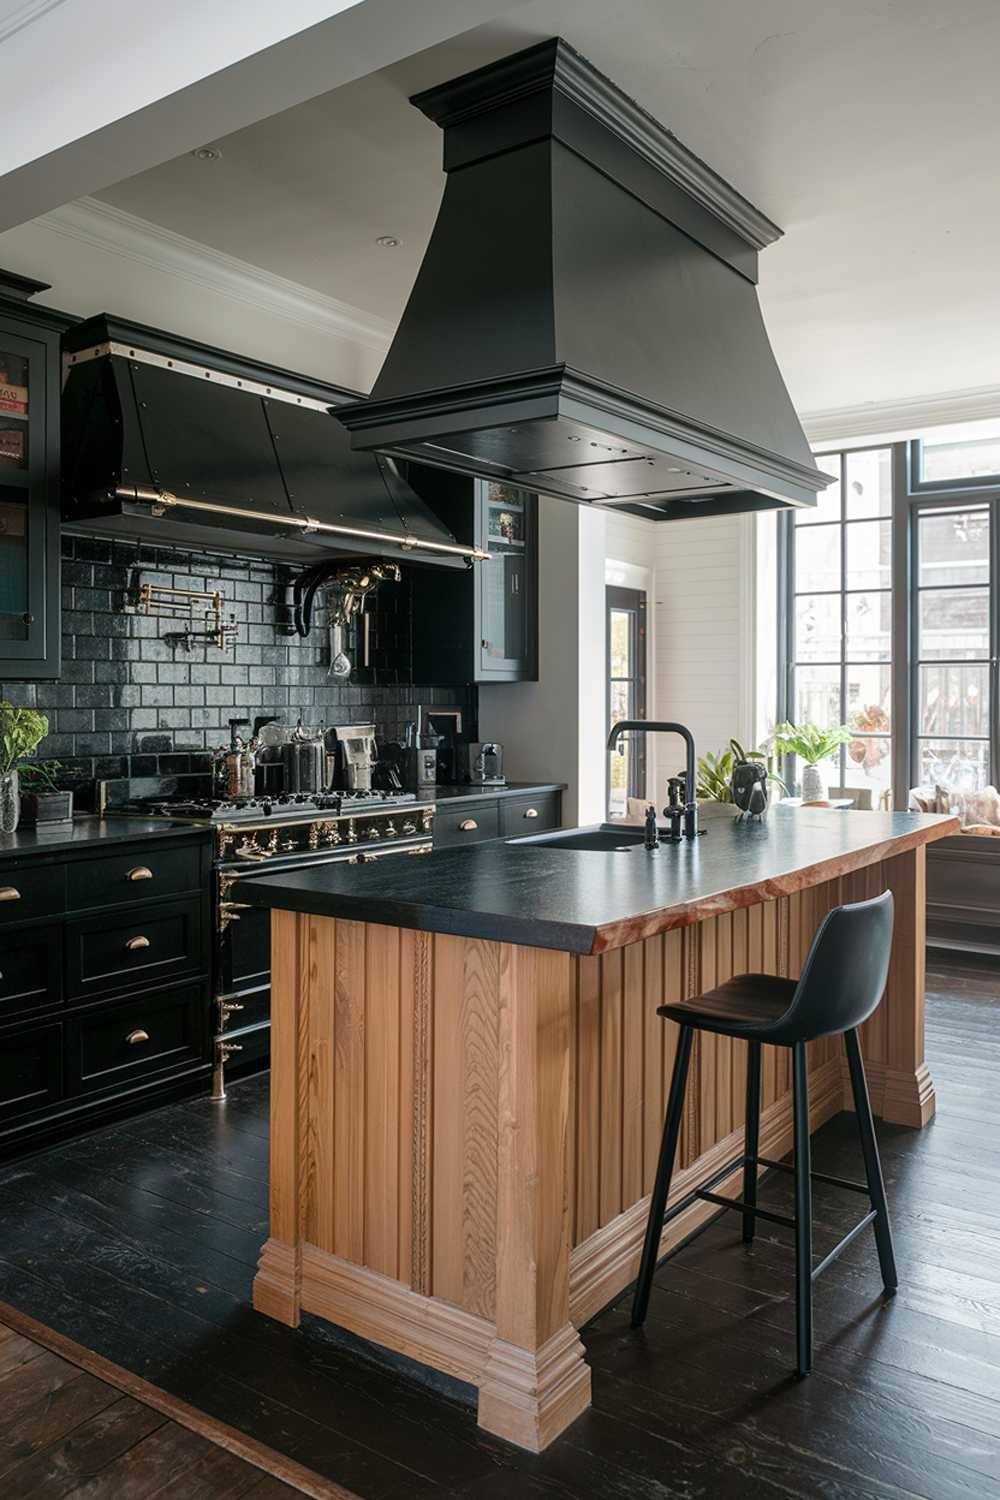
column 419, row 759
column 353, row 749
column 304, row 760
column 486, row 764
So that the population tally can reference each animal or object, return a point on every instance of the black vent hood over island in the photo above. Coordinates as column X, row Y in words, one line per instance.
column 184, row 444
column 585, row 320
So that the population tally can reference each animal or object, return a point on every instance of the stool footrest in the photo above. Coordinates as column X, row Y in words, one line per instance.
column 851, row 1234
column 841, row 1182
column 746, row 1208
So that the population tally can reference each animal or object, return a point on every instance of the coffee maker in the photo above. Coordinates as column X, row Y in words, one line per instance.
column 486, row 764
column 354, row 755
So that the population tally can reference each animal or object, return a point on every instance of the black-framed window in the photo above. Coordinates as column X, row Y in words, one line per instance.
column 626, row 695
column 894, row 628
column 838, row 626
column 954, row 634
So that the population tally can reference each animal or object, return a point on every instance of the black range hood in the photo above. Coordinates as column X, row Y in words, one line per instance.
column 184, row 444
column 585, row 320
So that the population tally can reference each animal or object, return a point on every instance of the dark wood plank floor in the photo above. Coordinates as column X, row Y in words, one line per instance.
column 67, row 1435
column 140, row 1241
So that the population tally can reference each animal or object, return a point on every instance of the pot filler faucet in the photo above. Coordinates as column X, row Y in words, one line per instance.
column 676, row 809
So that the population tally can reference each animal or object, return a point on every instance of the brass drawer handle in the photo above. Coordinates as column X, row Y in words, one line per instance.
column 468, row 824
column 137, row 1036
column 141, row 872
column 9, row 893
column 530, row 812
column 134, row 944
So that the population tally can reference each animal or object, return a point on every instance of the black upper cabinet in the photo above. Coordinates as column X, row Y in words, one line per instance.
column 29, row 488
column 478, row 625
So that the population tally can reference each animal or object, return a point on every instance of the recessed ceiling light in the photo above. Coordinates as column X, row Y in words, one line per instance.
column 206, row 153
column 387, row 241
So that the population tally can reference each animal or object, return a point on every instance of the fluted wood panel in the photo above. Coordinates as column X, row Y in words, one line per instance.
column 399, row 1070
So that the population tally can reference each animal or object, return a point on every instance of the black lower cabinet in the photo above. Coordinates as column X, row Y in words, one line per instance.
column 104, row 986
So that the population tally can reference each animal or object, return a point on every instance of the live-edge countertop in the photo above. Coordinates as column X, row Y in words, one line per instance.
column 90, row 833
column 588, row 902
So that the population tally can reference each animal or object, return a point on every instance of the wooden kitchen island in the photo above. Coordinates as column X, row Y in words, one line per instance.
column 469, row 1076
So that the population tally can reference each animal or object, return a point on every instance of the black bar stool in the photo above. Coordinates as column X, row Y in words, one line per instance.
column 842, row 982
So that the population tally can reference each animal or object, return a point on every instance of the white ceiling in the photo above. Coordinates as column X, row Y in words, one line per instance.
column 868, row 129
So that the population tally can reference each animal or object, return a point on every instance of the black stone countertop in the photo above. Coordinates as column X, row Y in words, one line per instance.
column 90, row 833
column 477, row 793
column 587, row 902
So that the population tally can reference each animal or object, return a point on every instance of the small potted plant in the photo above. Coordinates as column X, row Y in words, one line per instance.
column 715, row 772
column 21, row 732
column 811, row 745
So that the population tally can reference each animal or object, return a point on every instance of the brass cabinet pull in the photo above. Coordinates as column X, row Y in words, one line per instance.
column 468, row 824
column 141, row 872
column 134, row 944
column 530, row 812
column 9, row 893
column 137, row 1036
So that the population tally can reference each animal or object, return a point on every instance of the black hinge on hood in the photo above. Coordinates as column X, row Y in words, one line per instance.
column 183, row 444
column 585, row 320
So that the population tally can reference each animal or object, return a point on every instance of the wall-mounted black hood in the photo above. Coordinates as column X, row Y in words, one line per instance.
column 585, row 320
column 184, row 444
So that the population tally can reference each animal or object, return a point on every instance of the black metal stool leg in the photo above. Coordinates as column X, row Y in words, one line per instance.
column 873, row 1164
column 803, row 1212
column 664, row 1172
column 751, row 1138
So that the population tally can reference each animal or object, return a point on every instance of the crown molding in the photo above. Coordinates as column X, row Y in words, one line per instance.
column 25, row 14
column 911, row 414
column 107, row 228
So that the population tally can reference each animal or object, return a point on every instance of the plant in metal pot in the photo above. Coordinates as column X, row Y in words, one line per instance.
column 21, row 732
column 812, row 746
column 715, row 772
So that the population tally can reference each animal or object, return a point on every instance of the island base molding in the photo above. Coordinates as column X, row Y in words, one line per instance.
column 464, row 1132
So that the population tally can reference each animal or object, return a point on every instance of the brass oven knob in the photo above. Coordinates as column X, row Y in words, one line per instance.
column 409, row 827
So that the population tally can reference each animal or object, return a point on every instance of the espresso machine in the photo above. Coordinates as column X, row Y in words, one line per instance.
column 486, row 764
column 353, row 749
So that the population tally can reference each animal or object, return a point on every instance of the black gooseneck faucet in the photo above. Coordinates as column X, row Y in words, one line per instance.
column 657, row 726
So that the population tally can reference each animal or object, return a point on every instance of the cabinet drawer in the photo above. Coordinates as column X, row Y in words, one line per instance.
column 111, row 951
column 31, row 891
column 116, row 1045
column 30, row 1069
column 30, row 970
column 140, row 874
column 528, row 814
column 466, row 825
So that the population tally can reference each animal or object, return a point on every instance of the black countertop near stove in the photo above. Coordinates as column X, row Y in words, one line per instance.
column 476, row 793
column 586, row 901
column 90, row 833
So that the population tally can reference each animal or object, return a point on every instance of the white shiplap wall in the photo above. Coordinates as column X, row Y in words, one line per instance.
column 703, row 591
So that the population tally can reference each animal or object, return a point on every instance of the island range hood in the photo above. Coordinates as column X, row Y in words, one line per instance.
column 585, row 319
column 183, row 444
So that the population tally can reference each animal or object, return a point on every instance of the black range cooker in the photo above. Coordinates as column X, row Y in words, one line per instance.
column 286, row 833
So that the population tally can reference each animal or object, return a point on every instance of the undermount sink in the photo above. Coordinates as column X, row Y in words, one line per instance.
column 604, row 838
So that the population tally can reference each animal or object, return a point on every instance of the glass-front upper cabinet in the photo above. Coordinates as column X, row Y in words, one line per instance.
column 507, row 584
column 29, row 515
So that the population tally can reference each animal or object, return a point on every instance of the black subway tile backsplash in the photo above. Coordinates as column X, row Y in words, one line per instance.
column 131, row 700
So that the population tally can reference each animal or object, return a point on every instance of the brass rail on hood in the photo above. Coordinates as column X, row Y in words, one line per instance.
column 162, row 500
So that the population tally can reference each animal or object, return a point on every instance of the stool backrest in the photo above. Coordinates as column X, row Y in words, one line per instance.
column 845, row 970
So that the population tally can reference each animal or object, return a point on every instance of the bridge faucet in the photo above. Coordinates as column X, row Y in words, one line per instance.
column 656, row 726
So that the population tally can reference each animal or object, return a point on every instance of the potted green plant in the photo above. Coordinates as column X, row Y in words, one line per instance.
column 21, row 732
column 715, row 772
column 811, row 745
